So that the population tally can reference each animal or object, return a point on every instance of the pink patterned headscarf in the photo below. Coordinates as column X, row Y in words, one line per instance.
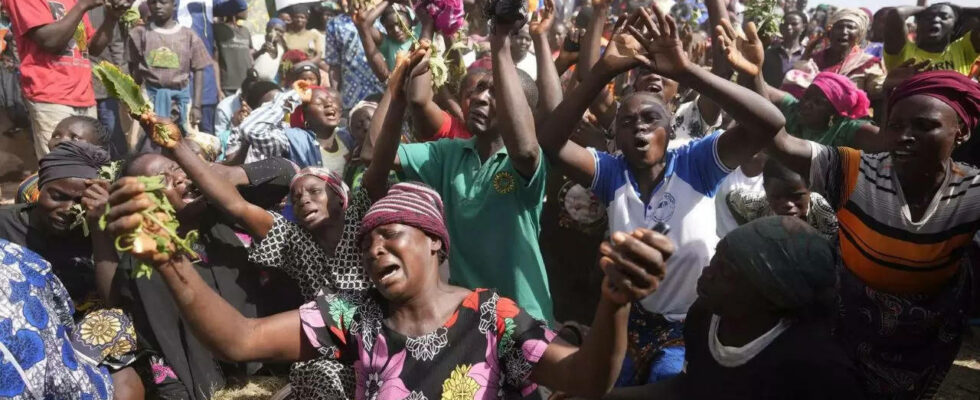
column 447, row 15
column 333, row 180
column 848, row 100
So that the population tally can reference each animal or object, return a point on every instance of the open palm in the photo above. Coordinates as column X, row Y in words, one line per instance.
column 664, row 49
column 745, row 53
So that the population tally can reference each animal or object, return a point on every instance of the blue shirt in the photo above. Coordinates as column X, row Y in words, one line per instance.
column 344, row 51
column 683, row 201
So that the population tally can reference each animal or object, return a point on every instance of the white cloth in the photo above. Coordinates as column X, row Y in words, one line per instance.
column 728, row 356
column 530, row 65
column 266, row 66
column 688, row 123
column 735, row 181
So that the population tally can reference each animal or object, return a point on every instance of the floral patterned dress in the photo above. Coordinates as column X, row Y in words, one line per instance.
column 486, row 350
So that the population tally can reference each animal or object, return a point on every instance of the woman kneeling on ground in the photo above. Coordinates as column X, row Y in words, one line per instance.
column 415, row 335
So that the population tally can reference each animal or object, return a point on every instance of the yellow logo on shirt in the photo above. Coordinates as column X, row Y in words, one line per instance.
column 504, row 182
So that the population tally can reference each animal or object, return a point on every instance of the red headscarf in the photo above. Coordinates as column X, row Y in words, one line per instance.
column 951, row 87
column 848, row 100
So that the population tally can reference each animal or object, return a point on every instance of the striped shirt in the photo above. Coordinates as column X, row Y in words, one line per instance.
column 879, row 241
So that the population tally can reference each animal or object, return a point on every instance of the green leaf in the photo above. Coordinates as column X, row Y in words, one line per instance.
column 122, row 87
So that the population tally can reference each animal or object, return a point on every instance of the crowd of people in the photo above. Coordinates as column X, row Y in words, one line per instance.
column 395, row 199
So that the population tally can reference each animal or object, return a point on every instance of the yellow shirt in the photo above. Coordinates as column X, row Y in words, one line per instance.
column 958, row 56
column 310, row 41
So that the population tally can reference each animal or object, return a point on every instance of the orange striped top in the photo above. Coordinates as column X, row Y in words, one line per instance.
column 879, row 241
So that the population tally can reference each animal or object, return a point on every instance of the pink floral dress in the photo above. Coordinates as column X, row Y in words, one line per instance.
column 486, row 350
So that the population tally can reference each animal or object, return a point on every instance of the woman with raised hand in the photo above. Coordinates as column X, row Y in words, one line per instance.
column 649, row 184
column 831, row 111
column 415, row 336
column 319, row 250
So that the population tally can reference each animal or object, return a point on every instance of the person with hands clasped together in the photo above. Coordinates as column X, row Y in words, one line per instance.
column 414, row 335
column 493, row 184
column 649, row 184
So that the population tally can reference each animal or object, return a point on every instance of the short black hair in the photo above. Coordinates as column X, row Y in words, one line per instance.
column 126, row 169
column 257, row 91
column 528, row 86
column 102, row 133
column 779, row 171
column 798, row 13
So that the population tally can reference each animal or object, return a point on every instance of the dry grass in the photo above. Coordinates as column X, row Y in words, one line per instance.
column 258, row 388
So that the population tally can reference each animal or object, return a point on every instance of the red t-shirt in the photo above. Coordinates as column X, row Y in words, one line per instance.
column 451, row 128
column 64, row 78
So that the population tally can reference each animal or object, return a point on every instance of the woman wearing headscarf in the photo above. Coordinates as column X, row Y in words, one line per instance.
column 761, row 326
column 906, row 218
column 70, row 194
column 414, row 335
column 843, row 55
column 830, row 111
column 319, row 250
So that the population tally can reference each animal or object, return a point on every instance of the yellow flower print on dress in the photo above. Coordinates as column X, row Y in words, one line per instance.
column 100, row 329
column 459, row 386
column 504, row 182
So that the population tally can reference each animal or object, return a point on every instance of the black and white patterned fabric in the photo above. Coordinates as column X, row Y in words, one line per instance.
column 289, row 248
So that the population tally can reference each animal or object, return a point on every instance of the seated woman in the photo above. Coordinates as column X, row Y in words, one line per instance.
column 831, row 110
column 49, row 361
column 786, row 193
column 50, row 227
column 415, row 335
column 761, row 326
column 319, row 250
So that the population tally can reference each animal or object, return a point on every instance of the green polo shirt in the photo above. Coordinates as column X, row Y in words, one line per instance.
column 493, row 215
column 839, row 133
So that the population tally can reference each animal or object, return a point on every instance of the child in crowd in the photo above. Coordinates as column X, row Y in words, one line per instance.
column 234, row 55
column 163, row 56
column 382, row 48
column 269, row 54
column 786, row 193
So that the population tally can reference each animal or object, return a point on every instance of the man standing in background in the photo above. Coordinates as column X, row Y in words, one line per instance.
column 198, row 15
column 54, row 39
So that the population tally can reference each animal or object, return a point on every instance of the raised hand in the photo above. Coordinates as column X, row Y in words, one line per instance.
column 634, row 264
column 408, row 66
column 127, row 200
column 94, row 200
column 745, row 53
column 543, row 19
column 904, row 71
column 624, row 52
column 659, row 37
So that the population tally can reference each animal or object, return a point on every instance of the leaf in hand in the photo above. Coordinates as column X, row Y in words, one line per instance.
column 122, row 87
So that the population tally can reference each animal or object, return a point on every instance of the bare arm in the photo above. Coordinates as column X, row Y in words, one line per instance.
column 866, row 138
column 633, row 265
column 896, row 33
column 222, row 192
column 370, row 38
column 549, row 84
column 427, row 116
column 716, row 13
column 588, row 55
column 103, row 36
column 573, row 160
column 515, row 123
column 54, row 37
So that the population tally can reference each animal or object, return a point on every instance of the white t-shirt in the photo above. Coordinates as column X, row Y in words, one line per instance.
column 683, row 200
column 530, row 65
column 265, row 65
column 737, row 180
